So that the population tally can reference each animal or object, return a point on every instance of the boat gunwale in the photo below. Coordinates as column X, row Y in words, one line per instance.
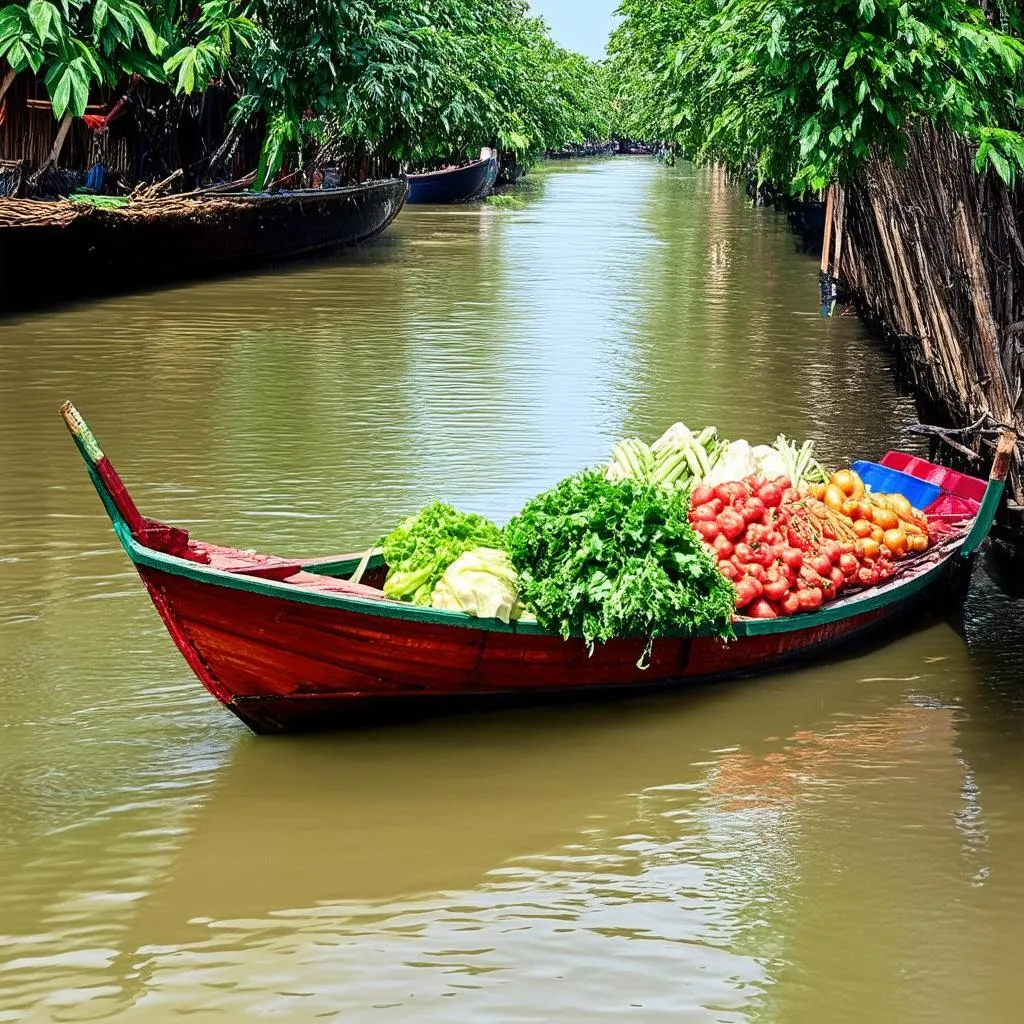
column 421, row 177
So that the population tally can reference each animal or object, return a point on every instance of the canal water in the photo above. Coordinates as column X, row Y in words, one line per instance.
column 844, row 843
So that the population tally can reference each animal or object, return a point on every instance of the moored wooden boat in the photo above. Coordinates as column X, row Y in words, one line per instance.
column 291, row 644
column 55, row 249
column 455, row 184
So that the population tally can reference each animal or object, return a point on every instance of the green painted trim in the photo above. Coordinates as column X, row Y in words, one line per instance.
column 985, row 518
column 892, row 594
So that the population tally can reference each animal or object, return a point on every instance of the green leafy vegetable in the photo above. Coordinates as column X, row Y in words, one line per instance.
column 607, row 559
column 421, row 547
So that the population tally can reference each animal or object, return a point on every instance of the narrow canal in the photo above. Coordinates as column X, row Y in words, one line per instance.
column 838, row 844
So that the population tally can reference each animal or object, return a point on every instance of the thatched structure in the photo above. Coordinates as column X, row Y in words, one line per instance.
column 933, row 254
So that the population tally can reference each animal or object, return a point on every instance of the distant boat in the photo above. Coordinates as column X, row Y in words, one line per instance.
column 291, row 644
column 71, row 247
column 455, row 184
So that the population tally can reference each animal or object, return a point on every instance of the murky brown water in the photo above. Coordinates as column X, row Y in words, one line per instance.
column 840, row 844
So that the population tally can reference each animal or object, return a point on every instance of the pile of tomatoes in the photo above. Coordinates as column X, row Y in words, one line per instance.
column 785, row 552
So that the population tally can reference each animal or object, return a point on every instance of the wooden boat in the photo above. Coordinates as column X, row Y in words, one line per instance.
column 56, row 249
column 456, row 184
column 290, row 644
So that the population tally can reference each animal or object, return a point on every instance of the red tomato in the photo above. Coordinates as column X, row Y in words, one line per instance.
column 702, row 514
column 848, row 563
column 723, row 547
column 747, row 591
column 744, row 552
column 790, row 604
column 757, row 571
column 867, row 577
column 708, row 530
column 831, row 550
column 838, row 578
column 821, row 564
column 761, row 610
column 793, row 557
column 753, row 510
column 728, row 570
column 702, row 495
column 731, row 523
column 776, row 590
column 771, row 494
column 717, row 505
column 810, row 599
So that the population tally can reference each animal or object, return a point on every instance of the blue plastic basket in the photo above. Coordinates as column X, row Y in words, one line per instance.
column 883, row 480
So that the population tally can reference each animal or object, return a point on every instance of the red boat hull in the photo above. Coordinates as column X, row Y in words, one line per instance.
column 286, row 667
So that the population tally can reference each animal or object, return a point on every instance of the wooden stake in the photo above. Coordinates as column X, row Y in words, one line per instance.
column 7, row 82
column 827, row 241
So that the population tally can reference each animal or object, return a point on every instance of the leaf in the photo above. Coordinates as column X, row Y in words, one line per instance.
column 42, row 15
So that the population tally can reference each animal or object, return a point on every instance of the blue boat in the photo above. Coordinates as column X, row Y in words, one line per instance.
column 456, row 184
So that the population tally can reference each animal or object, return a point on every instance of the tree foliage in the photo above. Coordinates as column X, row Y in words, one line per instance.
column 411, row 79
column 801, row 92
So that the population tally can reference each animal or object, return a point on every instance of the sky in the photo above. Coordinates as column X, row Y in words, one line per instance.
column 581, row 25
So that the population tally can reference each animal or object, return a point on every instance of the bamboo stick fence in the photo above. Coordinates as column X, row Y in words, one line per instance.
column 933, row 254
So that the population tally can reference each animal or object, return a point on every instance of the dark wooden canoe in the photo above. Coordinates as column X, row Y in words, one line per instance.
column 57, row 249
column 455, row 185
column 290, row 644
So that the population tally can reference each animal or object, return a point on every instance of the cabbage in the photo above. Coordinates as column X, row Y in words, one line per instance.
column 480, row 582
column 736, row 462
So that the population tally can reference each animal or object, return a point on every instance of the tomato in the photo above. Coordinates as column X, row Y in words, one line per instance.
column 838, row 578
column 810, row 599
column 702, row 494
column 762, row 610
column 831, row 550
column 753, row 510
column 848, row 564
column 790, row 604
column 747, row 591
column 776, row 590
column 757, row 571
column 728, row 570
column 729, row 492
column 789, row 495
column 717, row 504
column 731, row 523
column 709, row 531
column 771, row 494
column 793, row 557
column 723, row 547
column 821, row 564
column 702, row 513
column 867, row 577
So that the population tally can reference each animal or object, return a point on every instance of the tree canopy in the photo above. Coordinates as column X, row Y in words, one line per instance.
column 802, row 92
column 411, row 79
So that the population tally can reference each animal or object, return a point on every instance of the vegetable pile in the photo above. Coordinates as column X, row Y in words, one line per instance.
column 678, row 536
column 603, row 560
